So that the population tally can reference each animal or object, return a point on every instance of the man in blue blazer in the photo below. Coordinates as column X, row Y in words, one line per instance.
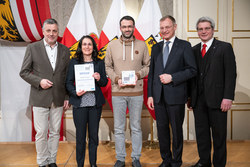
column 172, row 64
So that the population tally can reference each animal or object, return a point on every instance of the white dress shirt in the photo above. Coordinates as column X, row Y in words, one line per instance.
column 52, row 53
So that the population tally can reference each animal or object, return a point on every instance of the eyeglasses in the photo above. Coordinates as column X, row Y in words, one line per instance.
column 123, row 27
column 206, row 29
column 167, row 27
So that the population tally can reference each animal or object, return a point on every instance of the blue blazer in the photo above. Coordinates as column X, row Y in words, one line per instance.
column 180, row 64
column 70, row 83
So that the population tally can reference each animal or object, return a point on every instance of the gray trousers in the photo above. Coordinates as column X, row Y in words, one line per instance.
column 120, row 105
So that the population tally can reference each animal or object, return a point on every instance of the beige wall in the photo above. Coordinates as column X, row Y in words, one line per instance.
column 100, row 8
column 232, row 25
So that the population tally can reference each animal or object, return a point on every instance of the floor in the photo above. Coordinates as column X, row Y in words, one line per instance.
column 24, row 154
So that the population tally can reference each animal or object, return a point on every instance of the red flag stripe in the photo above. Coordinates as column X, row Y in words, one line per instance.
column 68, row 38
column 24, row 20
column 34, row 10
column 43, row 10
column 138, row 35
column 103, row 40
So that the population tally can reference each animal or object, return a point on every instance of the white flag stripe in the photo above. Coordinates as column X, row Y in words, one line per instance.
column 112, row 26
column 30, row 20
column 82, row 21
column 18, row 21
column 148, row 19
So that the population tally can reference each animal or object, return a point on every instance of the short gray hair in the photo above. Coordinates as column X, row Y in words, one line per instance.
column 49, row 21
column 206, row 19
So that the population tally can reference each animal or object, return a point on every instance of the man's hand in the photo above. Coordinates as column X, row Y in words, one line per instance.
column 165, row 78
column 45, row 83
column 66, row 105
column 151, row 103
column 80, row 92
column 120, row 83
column 123, row 85
column 226, row 105
column 189, row 104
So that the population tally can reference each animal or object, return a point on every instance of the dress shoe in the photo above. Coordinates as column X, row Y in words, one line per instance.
column 52, row 165
column 198, row 164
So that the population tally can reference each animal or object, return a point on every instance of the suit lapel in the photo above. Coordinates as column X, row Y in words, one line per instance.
column 59, row 54
column 172, row 52
column 160, row 56
column 209, row 55
column 45, row 55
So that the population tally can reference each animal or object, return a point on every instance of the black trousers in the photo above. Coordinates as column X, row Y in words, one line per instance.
column 173, row 114
column 210, row 121
column 86, row 117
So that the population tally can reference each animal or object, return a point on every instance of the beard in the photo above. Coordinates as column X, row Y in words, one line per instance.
column 127, row 36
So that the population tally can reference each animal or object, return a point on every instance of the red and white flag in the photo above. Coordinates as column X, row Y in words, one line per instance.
column 22, row 20
column 111, row 28
column 81, row 23
column 147, row 29
column 147, row 23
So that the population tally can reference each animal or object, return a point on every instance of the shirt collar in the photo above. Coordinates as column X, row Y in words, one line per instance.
column 46, row 44
column 208, row 43
column 171, row 40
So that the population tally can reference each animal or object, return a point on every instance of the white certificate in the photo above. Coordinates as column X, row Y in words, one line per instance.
column 128, row 77
column 83, row 77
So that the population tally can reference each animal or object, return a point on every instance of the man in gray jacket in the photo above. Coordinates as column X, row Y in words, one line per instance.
column 44, row 68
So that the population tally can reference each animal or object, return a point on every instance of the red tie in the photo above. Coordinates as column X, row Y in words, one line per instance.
column 203, row 51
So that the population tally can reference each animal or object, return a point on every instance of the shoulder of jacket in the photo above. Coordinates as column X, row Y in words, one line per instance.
column 35, row 44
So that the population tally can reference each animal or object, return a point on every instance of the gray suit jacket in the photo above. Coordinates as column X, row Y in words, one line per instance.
column 36, row 66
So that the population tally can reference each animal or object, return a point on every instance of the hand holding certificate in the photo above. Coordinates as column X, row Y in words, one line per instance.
column 128, row 78
column 84, row 79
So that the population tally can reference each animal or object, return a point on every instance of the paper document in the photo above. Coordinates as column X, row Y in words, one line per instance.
column 128, row 77
column 83, row 77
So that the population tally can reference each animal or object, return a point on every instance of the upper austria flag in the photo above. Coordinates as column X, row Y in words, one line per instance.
column 111, row 31
column 81, row 23
column 147, row 29
column 21, row 20
column 111, row 27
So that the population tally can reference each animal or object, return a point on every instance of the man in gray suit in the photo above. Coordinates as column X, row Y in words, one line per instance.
column 44, row 68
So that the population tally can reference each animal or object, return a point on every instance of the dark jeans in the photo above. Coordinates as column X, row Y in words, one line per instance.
column 86, row 117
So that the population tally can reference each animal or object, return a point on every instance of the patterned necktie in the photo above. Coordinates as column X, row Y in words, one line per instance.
column 203, row 51
column 165, row 54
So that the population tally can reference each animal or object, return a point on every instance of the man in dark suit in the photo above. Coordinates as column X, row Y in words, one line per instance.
column 172, row 64
column 44, row 68
column 212, row 92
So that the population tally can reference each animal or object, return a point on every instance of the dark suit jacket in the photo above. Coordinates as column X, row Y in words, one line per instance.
column 36, row 66
column 219, row 74
column 70, row 83
column 180, row 64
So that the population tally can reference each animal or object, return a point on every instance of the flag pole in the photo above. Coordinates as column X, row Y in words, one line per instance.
column 151, row 144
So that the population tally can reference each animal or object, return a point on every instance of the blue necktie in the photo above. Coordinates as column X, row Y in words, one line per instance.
column 165, row 54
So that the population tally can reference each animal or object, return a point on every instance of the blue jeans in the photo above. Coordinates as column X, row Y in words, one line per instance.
column 134, row 104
